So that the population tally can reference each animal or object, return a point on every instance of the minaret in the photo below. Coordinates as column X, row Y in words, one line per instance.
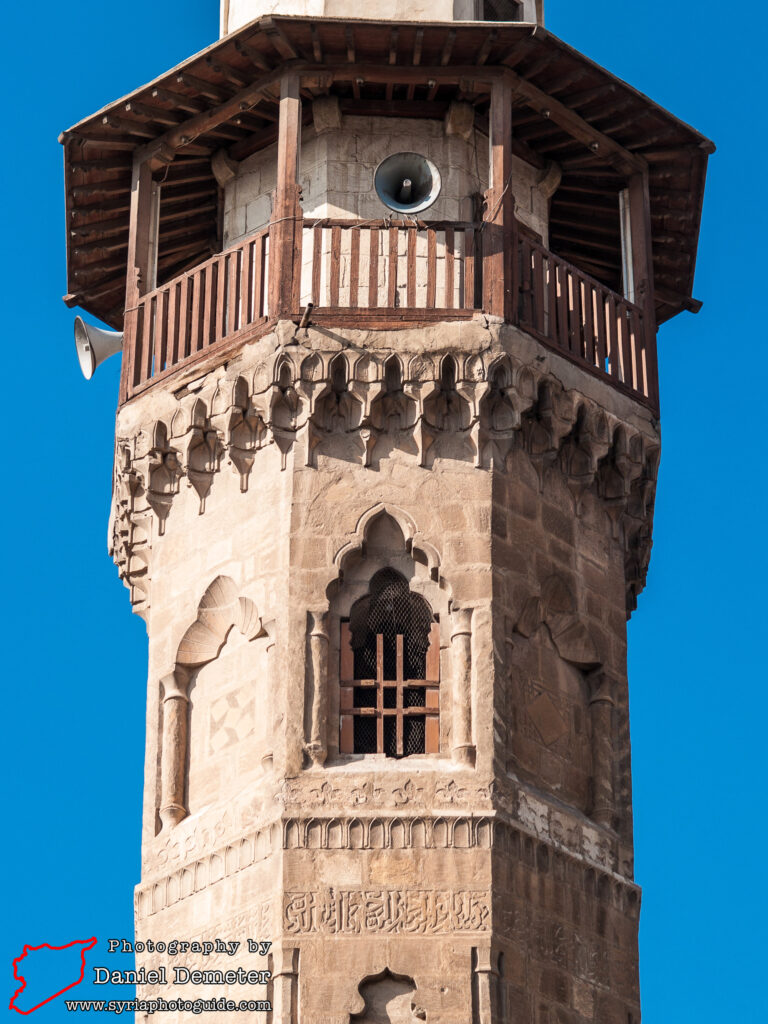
column 385, row 460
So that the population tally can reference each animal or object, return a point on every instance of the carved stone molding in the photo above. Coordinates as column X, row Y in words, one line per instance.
column 490, row 402
column 388, row 832
column 237, row 855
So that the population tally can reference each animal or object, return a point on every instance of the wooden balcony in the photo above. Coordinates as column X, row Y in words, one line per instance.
column 389, row 274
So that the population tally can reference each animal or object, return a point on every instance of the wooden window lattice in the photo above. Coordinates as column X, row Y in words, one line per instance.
column 394, row 716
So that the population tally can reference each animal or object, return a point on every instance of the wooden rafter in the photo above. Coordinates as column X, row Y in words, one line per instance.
column 576, row 126
column 182, row 135
column 484, row 52
column 256, row 57
column 179, row 100
column 317, row 49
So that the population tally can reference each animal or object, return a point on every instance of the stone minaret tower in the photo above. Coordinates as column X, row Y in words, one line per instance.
column 383, row 495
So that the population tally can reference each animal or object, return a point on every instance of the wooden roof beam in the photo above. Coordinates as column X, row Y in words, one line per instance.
column 401, row 74
column 104, row 288
column 104, row 188
column 513, row 57
column 576, row 126
column 121, row 124
column 317, row 49
column 188, row 211
column 589, row 243
column 200, row 223
column 524, row 152
column 104, row 228
column 113, row 206
column 445, row 56
column 101, row 140
column 207, row 121
column 195, row 240
column 182, row 102
column 279, row 40
column 114, row 163
column 671, row 298
column 418, row 44
column 85, row 269
column 87, row 248
column 256, row 57
column 236, row 78
column 580, row 259
column 203, row 87
column 157, row 115
column 392, row 60
column 484, row 52
column 539, row 64
column 613, row 231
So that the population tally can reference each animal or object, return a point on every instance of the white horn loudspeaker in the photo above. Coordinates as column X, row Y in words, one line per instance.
column 94, row 345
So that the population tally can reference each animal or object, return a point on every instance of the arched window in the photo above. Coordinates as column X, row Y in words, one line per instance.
column 390, row 672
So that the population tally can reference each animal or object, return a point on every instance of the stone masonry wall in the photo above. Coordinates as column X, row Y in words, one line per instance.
column 252, row 505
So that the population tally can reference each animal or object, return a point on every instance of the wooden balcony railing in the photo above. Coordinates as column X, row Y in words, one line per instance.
column 389, row 267
column 386, row 273
column 587, row 321
column 217, row 300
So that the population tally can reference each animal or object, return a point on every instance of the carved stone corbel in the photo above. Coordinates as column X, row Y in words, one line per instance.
column 246, row 436
column 546, row 430
column 203, row 457
column 174, row 751
column 163, row 473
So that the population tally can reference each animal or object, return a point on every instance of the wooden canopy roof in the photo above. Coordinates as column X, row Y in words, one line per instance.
column 568, row 110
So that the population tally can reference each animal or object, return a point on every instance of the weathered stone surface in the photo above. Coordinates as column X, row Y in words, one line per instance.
column 253, row 506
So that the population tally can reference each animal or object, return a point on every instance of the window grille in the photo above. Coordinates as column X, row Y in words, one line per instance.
column 501, row 10
column 390, row 672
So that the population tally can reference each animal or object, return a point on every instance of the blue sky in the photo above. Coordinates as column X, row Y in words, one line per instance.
column 76, row 657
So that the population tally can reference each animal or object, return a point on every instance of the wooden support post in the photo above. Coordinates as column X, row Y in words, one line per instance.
column 500, row 257
column 139, row 266
column 286, row 224
column 642, row 265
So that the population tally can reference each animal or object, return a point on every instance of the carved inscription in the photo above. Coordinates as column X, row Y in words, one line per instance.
column 385, row 911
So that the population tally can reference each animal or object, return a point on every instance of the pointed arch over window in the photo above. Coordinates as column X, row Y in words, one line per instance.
column 390, row 672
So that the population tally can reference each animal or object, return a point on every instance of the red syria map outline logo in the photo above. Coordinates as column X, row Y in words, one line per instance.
column 85, row 943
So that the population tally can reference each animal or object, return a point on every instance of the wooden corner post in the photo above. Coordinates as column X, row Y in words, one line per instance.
column 642, row 268
column 286, row 223
column 138, row 267
column 499, row 228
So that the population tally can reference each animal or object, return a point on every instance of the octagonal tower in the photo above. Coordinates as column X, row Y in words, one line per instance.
column 383, row 496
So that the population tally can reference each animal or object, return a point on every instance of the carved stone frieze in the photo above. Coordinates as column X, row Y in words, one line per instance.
column 386, row 911
column 482, row 405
